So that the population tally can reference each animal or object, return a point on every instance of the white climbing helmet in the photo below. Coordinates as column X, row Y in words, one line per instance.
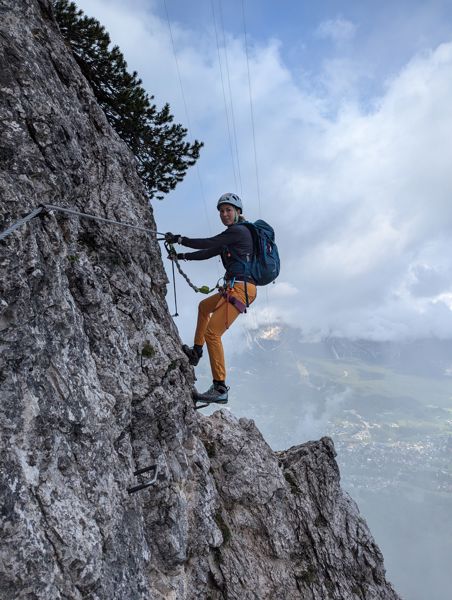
column 232, row 199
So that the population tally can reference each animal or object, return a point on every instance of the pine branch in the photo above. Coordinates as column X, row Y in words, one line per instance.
column 163, row 156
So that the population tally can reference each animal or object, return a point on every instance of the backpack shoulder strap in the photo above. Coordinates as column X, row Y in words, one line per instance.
column 255, row 236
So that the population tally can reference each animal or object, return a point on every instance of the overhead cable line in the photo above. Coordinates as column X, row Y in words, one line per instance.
column 224, row 94
column 234, row 129
column 251, row 107
column 187, row 116
column 252, row 122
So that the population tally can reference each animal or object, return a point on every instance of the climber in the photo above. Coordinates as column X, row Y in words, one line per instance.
column 217, row 312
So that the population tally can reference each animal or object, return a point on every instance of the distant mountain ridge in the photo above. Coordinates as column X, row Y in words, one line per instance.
column 430, row 356
column 388, row 408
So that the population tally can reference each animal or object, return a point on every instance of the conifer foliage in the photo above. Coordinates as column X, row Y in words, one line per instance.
column 163, row 156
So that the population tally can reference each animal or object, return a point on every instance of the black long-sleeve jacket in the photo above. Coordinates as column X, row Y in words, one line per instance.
column 234, row 245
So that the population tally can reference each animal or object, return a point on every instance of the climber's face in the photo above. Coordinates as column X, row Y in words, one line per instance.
column 228, row 214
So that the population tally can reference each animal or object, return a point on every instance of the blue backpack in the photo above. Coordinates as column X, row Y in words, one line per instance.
column 264, row 264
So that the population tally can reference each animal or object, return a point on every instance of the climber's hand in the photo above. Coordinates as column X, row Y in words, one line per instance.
column 174, row 256
column 172, row 238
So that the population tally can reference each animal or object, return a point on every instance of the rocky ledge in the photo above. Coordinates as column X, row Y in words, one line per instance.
column 288, row 530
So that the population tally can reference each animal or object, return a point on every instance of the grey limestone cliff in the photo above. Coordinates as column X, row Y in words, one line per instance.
column 94, row 386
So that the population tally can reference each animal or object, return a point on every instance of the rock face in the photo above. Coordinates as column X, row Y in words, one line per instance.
column 94, row 386
column 288, row 529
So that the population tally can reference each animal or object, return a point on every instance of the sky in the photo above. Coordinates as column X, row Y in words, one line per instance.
column 333, row 122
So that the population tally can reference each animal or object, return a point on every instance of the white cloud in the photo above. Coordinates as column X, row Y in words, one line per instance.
column 283, row 289
column 429, row 281
column 360, row 197
column 338, row 29
column 445, row 299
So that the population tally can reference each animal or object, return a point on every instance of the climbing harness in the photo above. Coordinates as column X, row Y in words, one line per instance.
column 225, row 292
column 145, row 484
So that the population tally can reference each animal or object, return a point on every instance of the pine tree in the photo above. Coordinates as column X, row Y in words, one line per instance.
column 163, row 156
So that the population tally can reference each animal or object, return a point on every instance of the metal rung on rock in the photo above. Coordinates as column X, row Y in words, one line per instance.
column 145, row 484
column 198, row 406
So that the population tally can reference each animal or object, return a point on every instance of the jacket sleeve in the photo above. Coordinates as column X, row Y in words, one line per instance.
column 207, row 247
column 202, row 254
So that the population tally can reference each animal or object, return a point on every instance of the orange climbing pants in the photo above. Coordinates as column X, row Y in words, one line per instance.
column 215, row 315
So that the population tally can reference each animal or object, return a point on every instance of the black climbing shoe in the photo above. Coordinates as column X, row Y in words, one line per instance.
column 217, row 393
column 194, row 354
